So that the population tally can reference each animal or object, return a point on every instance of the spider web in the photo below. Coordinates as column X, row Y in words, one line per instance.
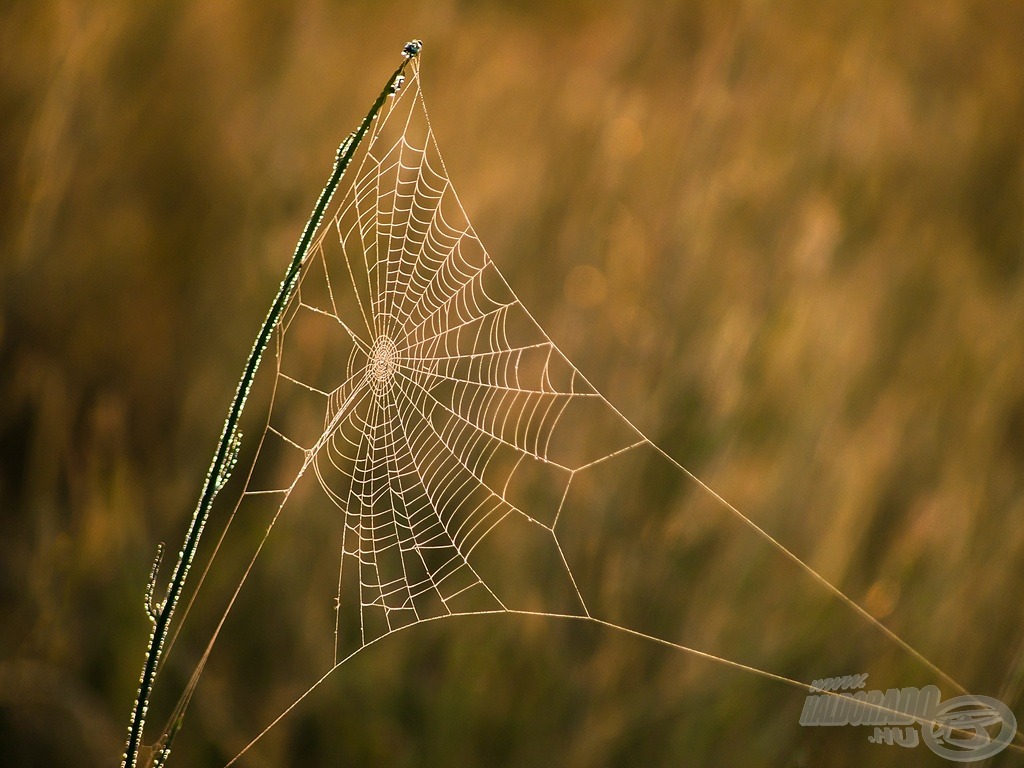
column 451, row 402
column 442, row 437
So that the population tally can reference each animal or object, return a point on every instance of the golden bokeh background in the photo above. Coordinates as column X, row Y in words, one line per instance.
column 785, row 239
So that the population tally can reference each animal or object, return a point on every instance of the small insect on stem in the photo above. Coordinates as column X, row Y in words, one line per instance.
column 409, row 50
column 412, row 48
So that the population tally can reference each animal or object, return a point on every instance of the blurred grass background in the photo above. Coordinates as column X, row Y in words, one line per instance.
column 786, row 239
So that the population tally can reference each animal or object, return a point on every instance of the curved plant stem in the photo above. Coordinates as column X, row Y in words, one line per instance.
column 224, row 457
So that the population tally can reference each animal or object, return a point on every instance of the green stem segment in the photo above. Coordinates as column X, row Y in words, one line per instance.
column 227, row 448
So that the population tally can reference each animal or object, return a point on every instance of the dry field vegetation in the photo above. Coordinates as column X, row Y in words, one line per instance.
column 786, row 239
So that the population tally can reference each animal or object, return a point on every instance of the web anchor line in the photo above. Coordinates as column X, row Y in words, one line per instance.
column 608, row 625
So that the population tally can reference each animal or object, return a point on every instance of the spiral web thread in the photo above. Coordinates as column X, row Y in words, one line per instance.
column 450, row 393
column 426, row 399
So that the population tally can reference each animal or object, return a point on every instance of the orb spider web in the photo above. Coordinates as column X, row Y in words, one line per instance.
column 439, row 431
column 451, row 399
